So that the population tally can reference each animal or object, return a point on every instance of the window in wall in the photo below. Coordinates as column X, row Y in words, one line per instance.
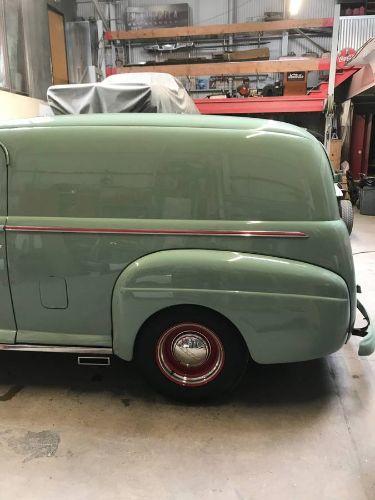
column 15, row 45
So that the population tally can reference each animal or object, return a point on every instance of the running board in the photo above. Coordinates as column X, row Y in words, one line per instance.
column 94, row 351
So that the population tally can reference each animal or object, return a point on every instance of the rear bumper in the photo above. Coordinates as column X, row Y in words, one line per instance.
column 367, row 344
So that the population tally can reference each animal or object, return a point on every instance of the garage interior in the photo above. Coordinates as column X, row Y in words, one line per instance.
column 289, row 431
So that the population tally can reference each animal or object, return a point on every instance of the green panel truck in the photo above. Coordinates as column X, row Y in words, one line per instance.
column 189, row 244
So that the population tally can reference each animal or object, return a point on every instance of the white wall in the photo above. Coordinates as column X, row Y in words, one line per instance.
column 18, row 106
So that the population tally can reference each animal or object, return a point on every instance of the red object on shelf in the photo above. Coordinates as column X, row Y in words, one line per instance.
column 109, row 71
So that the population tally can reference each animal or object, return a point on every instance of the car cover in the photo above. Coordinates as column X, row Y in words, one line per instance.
column 123, row 93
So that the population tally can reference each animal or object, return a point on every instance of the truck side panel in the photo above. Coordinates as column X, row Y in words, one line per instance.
column 85, row 202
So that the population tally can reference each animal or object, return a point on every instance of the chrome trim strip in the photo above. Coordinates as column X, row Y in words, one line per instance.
column 57, row 348
column 160, row 232
column 94, row 360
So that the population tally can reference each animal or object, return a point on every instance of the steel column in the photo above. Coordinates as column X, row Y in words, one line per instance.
column 367, row 144
column 357, row 145
column 98, row 10
column 332, row 76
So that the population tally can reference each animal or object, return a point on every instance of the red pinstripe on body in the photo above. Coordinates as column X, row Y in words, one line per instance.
column 165, row 232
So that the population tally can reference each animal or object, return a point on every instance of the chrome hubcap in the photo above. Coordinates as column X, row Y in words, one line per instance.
column 191, row 349
column 190, row 354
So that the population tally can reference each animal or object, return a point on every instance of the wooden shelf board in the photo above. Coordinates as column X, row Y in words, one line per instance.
column 219, row 29
column 232, row 68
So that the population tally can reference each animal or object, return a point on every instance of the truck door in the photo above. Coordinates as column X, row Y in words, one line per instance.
column 7, row 322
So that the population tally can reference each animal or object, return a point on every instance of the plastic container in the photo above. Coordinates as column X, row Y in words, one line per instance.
column 367, row 200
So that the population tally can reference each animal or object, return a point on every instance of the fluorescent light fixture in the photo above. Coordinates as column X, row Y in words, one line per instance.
column 294, row 7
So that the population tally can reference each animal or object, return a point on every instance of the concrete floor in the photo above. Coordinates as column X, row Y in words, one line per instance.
column 302, row 431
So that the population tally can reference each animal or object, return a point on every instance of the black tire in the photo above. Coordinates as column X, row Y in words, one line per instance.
column 347, row 214
column 232, row 359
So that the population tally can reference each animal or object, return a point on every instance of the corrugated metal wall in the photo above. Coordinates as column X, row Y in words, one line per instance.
column 202, row 12
column 253, row 10
column 311, row 9
column 355, row 31
column 86, row 10
column 216, row 11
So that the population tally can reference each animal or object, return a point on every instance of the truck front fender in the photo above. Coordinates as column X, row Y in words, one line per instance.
column 285, row 310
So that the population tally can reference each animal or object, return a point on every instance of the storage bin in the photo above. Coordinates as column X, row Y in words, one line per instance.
column 367, row 200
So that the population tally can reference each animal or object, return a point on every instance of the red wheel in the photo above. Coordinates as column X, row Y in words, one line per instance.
column 191, row 353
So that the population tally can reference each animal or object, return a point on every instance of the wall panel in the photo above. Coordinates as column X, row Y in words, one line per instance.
column 37, row 43
column 355, row 31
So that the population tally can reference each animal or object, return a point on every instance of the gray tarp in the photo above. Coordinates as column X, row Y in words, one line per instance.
column 125, row 93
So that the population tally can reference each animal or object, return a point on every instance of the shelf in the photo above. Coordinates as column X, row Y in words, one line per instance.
column 314, row 102
column 231, row 68
column 261, row 105
column 218, row 29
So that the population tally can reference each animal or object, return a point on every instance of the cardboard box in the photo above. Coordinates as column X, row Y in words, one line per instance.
column 295, row 83
column 335, row 148
column 244, row 55
column 250, row 55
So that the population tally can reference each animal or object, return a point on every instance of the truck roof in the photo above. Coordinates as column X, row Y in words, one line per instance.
column 159, row 120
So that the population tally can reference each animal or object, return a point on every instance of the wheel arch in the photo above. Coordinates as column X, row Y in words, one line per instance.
column 135, row 301
column 189, row 308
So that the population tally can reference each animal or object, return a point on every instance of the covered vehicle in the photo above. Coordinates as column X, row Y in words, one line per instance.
column 126, row 93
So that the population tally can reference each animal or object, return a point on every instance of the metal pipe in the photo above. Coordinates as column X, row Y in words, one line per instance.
column 285, row 43
column 237, row 40
column 311, row 40
column 334, row 50
column 232, row 18
column 100, row 14
column 332, row 77
column 101, row 49
column 286, row 2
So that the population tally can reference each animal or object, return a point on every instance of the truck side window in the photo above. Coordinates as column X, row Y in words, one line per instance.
column 210, row 176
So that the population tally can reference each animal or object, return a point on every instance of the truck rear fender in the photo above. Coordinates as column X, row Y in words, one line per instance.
column 285, row 310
